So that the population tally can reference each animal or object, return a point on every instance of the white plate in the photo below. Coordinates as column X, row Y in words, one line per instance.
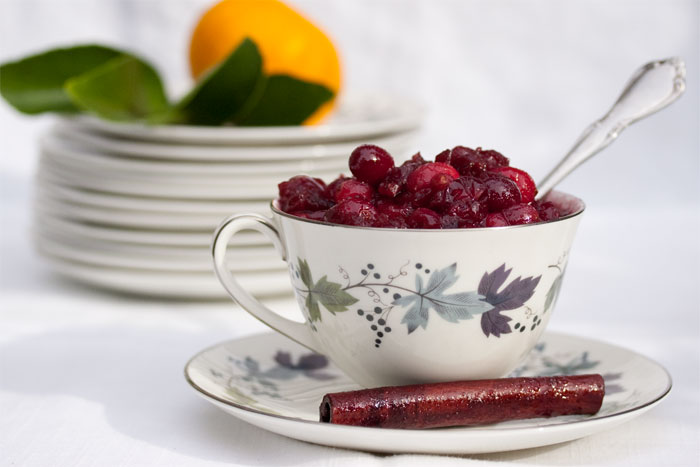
column 122, row 218
column 243, row 378
column 193, row 189
column 172, row 259
column 68, row 227
column 50, row 188
column 395, row 143
column 57, row 148
column 358, row 117
column 222, row 184
column 169, row 284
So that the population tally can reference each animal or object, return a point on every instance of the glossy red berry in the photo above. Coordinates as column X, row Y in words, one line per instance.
column 422, row 177
column 313, row 215
column 525, row 183
column 392, row 214
column 302, row 193
column 424, row 218
column 352, row 188
column 469, row 212
column 547, row 211
column 501, row 192
column 496, row 220
column 333, row 186
column 395, row 180
column 370, row 163
column 521, row 214
column 469, row 161
column 352, row 212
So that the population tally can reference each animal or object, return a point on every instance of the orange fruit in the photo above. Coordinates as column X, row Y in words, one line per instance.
column 289, row 43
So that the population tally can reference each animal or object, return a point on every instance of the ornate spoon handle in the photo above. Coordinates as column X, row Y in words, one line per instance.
column 651, row 88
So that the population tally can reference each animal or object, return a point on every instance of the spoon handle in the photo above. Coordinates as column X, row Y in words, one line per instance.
column 651, row 88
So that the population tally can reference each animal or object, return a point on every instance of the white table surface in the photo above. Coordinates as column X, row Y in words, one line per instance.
column 95, row 379
column 88, row 378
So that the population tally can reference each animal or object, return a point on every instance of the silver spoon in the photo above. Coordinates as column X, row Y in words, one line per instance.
column 651, row 88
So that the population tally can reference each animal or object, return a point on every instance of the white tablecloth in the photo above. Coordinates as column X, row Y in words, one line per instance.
column 88, row 378
column 94, row 379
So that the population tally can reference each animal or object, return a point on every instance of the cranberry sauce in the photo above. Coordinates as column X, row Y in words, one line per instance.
column 462, row 188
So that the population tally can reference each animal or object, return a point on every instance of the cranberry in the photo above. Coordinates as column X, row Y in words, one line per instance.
column 392, row 214
column 415, row 159
column 469, row 161
column 501, row 192
column 352, row 188
column 468, row 211
column 395, row 180
column 391, row 208
column 302, row 193
column 370, row 163
column 496, row 220
column 449, row 222
column 473, row 187
column 333, row 186
column 521, row 214
column 547, row 211
column 352, row 212
column 418, row 199
column 525, row 183
column 424, row 218
column 442, row 198
column 313, row 215
column 422, row 177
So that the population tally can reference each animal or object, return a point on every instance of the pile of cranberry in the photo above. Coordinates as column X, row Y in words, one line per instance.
column 463, row 188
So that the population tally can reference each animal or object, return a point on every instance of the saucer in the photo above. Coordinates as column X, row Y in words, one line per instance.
column 358, row 117
column 264, row 380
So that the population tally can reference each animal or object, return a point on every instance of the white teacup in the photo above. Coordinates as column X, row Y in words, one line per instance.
column 392, row 306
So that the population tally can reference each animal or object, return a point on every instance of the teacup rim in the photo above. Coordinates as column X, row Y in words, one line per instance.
column 574, row 214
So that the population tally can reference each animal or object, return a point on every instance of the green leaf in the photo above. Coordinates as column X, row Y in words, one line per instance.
column 553, row 293
column 35, row 84
column 221, row 94
column 282, row 101
column 312, row 306
column 124, row 88
column 305, row 273
column 332, row 296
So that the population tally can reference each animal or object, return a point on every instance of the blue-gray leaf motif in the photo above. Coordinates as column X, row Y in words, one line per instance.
column 450, row 307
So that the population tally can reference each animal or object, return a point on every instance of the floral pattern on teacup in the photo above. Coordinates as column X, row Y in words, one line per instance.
column 431, row 293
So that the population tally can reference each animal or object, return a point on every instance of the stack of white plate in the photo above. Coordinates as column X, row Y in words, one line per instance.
column 133, row 208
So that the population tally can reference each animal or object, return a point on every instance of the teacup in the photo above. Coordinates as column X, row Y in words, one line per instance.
column 391, row 306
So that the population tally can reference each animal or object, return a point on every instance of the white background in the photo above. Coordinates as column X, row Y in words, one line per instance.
column 94, row 379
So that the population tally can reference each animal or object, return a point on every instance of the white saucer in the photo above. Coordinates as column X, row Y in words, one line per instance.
column 243, row 378
column 329, row 169
column 170, row 259
column 130, row 218
column 170, row 285
column 57, row 148
column 358, row 117
column 54, row 223
column 54, row 190
column 94, row 141
column 191, row 188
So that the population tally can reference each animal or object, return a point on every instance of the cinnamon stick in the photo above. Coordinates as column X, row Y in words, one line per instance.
column 465, row 402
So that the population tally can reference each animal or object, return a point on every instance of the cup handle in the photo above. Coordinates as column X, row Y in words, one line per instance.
column 296, row 331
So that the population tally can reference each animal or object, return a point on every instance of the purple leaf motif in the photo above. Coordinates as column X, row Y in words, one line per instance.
column 312, row 361
column 308, row 362
column 511, row 297
column 308, row 365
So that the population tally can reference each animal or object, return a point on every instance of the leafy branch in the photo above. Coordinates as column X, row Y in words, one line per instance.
column 329, row 294
column 450, row 307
